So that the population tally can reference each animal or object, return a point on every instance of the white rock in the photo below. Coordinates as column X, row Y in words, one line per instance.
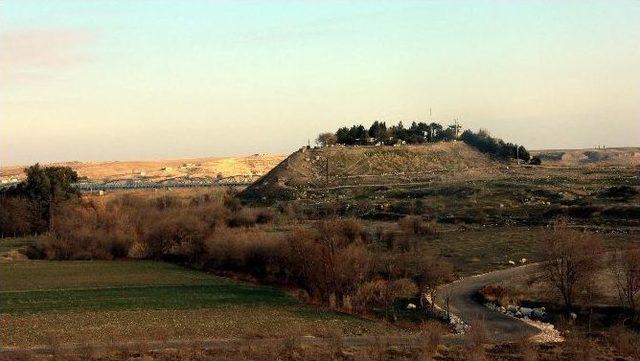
column 538, row 313
column 526, row 311
column 512, row 262
column 411, row 306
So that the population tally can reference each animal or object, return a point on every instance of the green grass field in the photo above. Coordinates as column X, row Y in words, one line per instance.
column 42, row 286
column 82, row 301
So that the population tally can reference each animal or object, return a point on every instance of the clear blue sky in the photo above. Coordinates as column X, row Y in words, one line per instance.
column 98, row 80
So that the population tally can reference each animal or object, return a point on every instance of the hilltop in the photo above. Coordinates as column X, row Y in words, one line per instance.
column 356, row 166
column 159, row 170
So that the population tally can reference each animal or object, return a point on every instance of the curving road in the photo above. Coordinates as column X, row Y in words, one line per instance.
column 501, row 328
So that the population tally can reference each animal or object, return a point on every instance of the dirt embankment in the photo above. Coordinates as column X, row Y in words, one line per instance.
column 212, row 167
column 344, row 167
column 596, row 157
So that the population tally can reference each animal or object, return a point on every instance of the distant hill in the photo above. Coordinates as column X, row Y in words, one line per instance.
column 584, row 157
column 159, row 170
column 340, row 167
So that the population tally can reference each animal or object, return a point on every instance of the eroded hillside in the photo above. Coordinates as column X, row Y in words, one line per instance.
column 161, row 170
column 344, row 167
column 591, row 157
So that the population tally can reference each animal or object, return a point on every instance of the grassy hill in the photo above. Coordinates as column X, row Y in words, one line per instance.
column 344, row 167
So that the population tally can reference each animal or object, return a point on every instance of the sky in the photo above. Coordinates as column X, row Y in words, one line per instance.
column 158, row 79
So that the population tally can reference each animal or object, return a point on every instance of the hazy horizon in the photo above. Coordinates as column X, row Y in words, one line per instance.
column 151, row 80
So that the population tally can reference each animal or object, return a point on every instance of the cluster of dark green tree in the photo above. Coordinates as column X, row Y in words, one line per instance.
column 488, row 144
column 419, row 133
column 379, row 133
column 28, row 207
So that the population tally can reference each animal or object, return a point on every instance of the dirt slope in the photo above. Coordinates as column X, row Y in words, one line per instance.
column 340, row 167
column 212, row 167
column 596, row 157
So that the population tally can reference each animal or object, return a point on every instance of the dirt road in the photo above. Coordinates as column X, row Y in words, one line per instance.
column 461, row 293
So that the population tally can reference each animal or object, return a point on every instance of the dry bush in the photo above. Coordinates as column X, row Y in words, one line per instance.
column 249, row 217
column 494, row 293
column 382, row 294
column 429, row 338
column 424, row 268
column 417, row 226
column 625, row 266
column 347, row 230
column 86, row 230
column 252, row 251
column 475, row 340
column 578, row 346
column 327, row 262
column 176, row 234
column 214, row 214
column 573, row 258
column 624, row 341
column 499, row 295
column 527, row 349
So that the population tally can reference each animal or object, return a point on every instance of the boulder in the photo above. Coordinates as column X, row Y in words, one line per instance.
column 538, row 312
column 526, row 311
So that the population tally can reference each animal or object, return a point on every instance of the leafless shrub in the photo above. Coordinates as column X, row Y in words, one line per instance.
column 625, row 266
column 580, row 347
column 475, row 340
column 383, row 294
column 573, row 258
column 252, row 251
column 626, row 342
column 179, row 235
column 429, row 338
column 527, row 349
column 499, row 295
column 417, row 226
column 85, row 230
column 328, row 261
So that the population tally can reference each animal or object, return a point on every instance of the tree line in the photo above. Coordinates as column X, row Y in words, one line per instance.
column 335, row 262
column 419, row 133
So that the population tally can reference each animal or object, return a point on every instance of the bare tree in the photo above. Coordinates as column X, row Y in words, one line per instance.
column 625, row 266
column 573, row 258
